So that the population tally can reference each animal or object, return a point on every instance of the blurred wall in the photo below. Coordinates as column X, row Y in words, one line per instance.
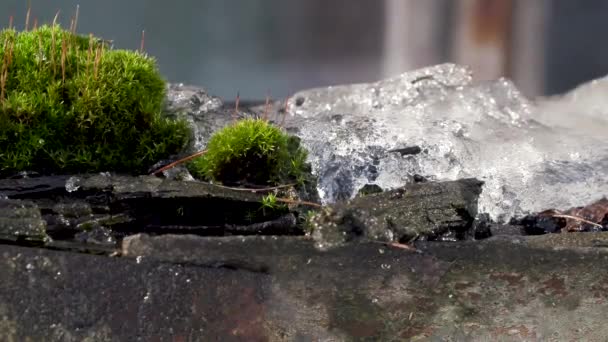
column 256, row 46
column 575, row 43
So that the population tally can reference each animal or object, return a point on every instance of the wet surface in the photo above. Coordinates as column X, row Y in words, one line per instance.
column 281, row 289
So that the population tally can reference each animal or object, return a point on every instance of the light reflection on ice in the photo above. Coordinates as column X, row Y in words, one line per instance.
column 531, row 157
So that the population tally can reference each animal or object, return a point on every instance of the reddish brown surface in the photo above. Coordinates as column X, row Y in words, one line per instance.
column 596, row 212
column 492, row 21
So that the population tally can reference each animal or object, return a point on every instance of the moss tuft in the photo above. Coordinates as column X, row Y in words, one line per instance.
column 68, row 103
column 251, row 151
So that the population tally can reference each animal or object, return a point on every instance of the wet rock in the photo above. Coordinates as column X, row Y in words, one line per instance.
column 98, row 235
column 484, row 227
column 368, row 189
column 419, row 178
column 100, row 209
column 37, row 187
column 283, row 289
column 422, row 210
column 411, row 150
column 78, row 297
column 21, row 221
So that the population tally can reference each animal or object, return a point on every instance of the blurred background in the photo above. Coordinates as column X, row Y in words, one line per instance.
column 282, row 46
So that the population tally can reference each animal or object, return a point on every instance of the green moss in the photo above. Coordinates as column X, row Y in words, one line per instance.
column 251, row 151
column 70, row 104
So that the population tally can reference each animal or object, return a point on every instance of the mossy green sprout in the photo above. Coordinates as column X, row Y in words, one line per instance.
column 251, row 152
column 68, row 103
column 270, row 203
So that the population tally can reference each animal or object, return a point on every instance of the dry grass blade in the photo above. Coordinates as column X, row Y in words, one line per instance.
column 396, row 245
column 402, row 246
column 289, row 201
column 576, row 218
column 175, row 163
column 272, row 188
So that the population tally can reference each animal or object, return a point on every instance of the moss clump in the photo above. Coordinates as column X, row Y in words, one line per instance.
column 251, row 152
column 70, row 104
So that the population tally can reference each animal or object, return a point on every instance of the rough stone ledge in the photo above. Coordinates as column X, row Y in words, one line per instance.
column 282, row 289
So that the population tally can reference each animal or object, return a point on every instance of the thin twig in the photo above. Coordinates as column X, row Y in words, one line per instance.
column 396, row 245
column 257, row 190
column 289, row 201
column 175, row 163
column 578, row 219
column 402, row 246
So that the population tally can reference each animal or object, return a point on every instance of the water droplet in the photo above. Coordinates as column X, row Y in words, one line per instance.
column 138, row 259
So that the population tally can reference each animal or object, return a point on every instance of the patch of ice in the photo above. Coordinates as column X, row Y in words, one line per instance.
column 531, row 158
